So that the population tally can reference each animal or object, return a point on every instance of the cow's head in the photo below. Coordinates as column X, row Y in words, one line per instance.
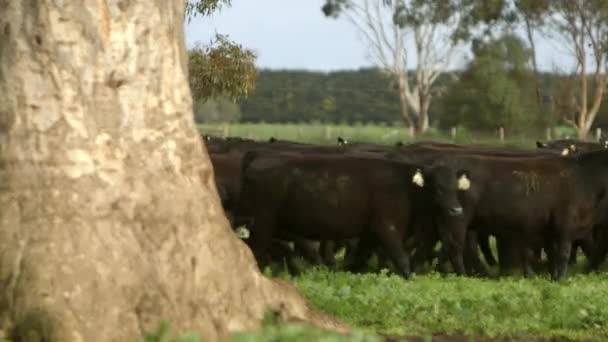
column 341, row 141
column 444, row 185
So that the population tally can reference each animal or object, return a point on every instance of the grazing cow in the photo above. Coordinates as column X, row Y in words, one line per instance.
column 532, row 201
column 334, row 197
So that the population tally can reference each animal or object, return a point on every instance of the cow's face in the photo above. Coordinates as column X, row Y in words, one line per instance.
column 445, row 184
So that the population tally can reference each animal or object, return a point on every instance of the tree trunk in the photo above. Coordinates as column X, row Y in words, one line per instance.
column 403, row 104
column 530, row 36
column 423, row 115
column 110, row 218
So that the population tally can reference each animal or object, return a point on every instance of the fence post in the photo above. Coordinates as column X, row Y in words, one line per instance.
column 598, row 134
column 327, row 133
column 549, row 138
column 501, row 133
column 453, row 133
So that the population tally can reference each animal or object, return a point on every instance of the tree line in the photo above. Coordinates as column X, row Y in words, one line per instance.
column 496, row 89
column 500, row 85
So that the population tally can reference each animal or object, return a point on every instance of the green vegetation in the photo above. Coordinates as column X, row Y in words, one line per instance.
column 433, row 304
column 381, row 134
column 301, row 332
column 480, row 98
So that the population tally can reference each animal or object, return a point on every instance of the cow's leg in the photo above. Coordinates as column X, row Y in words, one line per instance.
column 328, row 252
column 599, row 252
column 528, row 258
column 260, row 239
column 508, row 255
column 562, row 250
column 350, row 251
column 307, row 250
column 384, row 260
column 282, row 252
column 473, row 263
column 362, row 253
column 426, row 237
column 454, row 242
column 443, row 261
column 573, row 252
column 391, row 240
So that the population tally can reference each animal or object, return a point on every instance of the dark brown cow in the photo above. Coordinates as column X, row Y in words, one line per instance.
column 539, row 201
column 335, row 197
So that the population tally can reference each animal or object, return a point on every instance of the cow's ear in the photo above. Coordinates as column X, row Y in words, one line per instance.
column 464, row 180
column 418, row 178
column 540, row 144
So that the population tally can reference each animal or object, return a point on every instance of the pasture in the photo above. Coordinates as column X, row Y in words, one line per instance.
column 433, row 306
column 318, row 133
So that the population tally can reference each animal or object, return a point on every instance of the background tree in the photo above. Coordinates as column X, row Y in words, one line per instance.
column 221, row 69
column 495, row 89
column 386, row 26
column 216, row 110
column 111, row 221
column 583, row 27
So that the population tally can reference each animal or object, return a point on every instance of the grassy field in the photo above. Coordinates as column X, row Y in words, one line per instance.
column 576, row 308
column 434, row 305
column 327, row 134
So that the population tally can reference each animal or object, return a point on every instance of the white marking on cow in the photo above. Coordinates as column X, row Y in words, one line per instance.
column 242, row 232
column 573, row 148
column 418, row 179
column 605, row 143
column 565, row 151
column 464, row 183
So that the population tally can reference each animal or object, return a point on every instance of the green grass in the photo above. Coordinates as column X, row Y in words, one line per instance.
column 576, row 308
column 327, row 134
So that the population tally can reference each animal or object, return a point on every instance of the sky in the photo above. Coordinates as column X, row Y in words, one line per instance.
column 294, row 34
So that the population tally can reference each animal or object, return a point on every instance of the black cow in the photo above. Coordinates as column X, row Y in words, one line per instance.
column 541, row 200
column 337, row 197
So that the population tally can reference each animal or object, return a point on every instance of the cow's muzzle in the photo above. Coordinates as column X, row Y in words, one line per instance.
column 455, row 211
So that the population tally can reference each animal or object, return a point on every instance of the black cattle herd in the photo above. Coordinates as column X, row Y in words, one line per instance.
column 401, row 202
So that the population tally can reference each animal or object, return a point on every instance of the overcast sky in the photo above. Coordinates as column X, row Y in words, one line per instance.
column 294, row 34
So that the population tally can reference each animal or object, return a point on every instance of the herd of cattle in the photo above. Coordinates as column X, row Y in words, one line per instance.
column 400, row 201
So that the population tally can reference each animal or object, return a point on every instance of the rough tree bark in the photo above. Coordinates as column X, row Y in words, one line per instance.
column 110, row 219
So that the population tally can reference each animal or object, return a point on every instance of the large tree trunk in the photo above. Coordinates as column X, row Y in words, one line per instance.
column 110, row 219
